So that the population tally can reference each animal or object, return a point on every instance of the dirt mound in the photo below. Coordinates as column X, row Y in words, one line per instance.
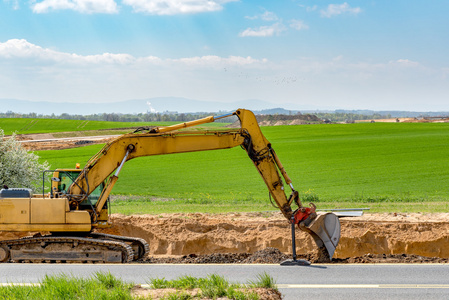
column 60, row 144
column 247, row 258
column 277, row 120
column 266, row 256
column 139, row 292
column 266, row 238
column 391, row 258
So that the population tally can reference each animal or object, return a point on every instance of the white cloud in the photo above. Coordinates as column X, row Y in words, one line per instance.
column 16, row 48
column 338, row 58
column 173, row 7
column 265, row 16
column 82, row 6
column 20, row 50
column 311, row 8
column 405, row 62
column 298, row 25
column 263, row 31
column 32, row 72
column 217, row 61
column 29, row 71
column 338, row 9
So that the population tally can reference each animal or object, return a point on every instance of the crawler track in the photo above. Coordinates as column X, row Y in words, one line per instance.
column 140, row 247
column 65, row 249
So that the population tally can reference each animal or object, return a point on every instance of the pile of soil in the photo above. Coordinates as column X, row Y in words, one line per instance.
column 274, row 256
column 61, row 144
column 276, row 120
column 139, row 292
column 266, row 256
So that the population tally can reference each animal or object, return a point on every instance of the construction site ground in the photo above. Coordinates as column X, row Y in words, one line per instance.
column 265, row 237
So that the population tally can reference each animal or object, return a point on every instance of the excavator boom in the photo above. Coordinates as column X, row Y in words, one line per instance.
column 167, row 140
column 69, row 207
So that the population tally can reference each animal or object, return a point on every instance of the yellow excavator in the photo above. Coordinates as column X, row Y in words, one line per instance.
column 78, row 201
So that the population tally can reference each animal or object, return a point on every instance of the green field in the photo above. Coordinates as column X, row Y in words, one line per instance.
column 379, row 165
column 26, row 126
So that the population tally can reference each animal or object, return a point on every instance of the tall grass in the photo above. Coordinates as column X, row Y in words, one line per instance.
column 100, row 286
column 106, row 286
column 214, row 286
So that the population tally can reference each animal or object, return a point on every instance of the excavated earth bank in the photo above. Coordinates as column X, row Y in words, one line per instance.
column 266, row 238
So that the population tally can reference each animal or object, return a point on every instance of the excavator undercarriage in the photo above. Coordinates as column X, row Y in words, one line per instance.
column 69, row 248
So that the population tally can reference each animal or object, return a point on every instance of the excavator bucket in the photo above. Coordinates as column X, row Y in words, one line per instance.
column 325, row 230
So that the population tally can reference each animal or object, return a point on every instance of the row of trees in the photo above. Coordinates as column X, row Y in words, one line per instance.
column 142, row 117
column 183, row 117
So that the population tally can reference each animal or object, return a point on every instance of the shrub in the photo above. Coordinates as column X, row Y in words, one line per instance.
column 19, row 168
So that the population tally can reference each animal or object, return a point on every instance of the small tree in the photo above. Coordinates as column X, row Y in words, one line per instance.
column 19, row 168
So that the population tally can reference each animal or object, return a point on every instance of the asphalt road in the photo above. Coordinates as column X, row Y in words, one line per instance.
column 389, row 281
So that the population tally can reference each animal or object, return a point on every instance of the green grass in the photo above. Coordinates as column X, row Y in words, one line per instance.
column 378, row 165
column 106, row 286
column 27, row 126
column 100, row 286
column 264, row 280
column 214, row 286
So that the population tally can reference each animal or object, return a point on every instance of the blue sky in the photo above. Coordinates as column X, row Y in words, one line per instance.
column 306, row 54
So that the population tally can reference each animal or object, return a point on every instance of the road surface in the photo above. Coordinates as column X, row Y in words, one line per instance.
column 362, row 281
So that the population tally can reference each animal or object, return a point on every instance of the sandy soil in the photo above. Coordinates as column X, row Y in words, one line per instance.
column 185, row 238
column 138, row 291
column 266, row 238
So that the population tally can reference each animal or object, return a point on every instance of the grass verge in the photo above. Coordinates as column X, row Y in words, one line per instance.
column 100, row 286
column 107, row 286
column 213, row 287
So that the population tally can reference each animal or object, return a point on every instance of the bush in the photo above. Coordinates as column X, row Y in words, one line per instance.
column 19, row 168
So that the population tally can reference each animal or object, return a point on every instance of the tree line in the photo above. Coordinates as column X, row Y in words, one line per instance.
column 184, row 117
column 117, row 117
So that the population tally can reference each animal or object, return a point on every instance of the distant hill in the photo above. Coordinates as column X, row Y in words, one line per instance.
column 181, row 105
column 396, row 113
column 171, row 104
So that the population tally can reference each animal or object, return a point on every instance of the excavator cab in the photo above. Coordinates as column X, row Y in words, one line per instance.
column 60, row 183
column 63, row 178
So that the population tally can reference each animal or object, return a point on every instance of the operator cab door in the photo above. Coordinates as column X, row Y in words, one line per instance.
column 66, row 178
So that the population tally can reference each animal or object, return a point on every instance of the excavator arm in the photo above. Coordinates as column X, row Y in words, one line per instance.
column 324, row 228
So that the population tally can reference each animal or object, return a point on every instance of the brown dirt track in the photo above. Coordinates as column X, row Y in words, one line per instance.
column 266, row 238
